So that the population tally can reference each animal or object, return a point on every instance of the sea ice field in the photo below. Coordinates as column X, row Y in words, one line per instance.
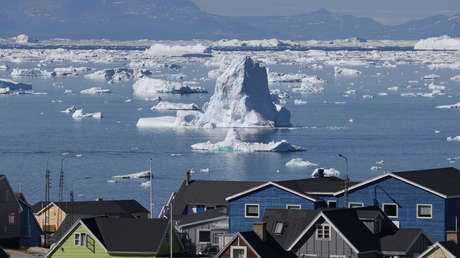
column 386, row 106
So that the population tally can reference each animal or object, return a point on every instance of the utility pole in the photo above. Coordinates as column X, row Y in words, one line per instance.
column 346, row 182
column 171, row 227
column 61, row 180
column 151, row 190
column 47, row 201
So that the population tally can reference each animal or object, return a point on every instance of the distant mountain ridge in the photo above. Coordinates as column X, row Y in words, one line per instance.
column 182, row 19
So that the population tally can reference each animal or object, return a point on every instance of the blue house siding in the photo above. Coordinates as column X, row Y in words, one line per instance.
column 270, row 197
column 407, row 196
column 452, row 210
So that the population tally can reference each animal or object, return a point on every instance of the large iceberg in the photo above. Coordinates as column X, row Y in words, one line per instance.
column 438, row 43
column 233, row 143
column 241, row 99
column 150, row 88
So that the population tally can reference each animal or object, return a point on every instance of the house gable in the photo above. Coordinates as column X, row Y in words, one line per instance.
column 269, row 196
column 238, row 241
column 56, row 217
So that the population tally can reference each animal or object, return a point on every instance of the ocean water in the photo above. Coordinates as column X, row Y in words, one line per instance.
column 397, row 129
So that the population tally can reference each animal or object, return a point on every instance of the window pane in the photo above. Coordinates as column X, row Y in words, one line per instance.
column 332, row 204
column 252, row 210
column 293, row 207
column 326, row 231
column 424, row 211
column 278, row 227
column 77, row 239
column 390, row 210
column 83, row 239
column 355, row 205
column 204, row 236
column 238, row 253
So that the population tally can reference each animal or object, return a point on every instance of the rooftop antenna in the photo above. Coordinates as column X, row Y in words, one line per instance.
column 346, row 181
column 151, row 189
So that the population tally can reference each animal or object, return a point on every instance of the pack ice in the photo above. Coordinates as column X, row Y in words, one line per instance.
column 241, row 99
column 233, row 143
column 8, row 86
column 148, row 88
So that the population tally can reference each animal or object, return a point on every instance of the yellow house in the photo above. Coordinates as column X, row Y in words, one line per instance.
column 448, row 249
column 51, row 215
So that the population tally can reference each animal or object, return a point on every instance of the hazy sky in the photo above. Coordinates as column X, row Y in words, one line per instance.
column 386, row 11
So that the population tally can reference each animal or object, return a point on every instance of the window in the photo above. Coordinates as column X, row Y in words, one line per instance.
column 80, row 239
column 47, row 220
column 424, row 211
column 278, row 228
column 216, row 237
column 251, row 211
column 238, row 252
column 204, row 236
column 390, row 209
column 323, row 232
column 293, row 206
column 332, row 204
column 355, row 204
column 11, row 219
column 198, row 208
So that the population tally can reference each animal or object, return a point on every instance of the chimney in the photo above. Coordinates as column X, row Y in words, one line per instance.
column 320, row 172
column 187, row 178
column 98, row 199
column 260, row 228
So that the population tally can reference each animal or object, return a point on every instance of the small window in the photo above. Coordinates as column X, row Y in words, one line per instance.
column 204, row 236
column 323, row 232
column 80, row 239
column 424, row 211
column 293, row 206
column 47, row 220
column 332, row 204
column 11, row 219
column 278, row 228
column 251, row 211
column 355, row 204
column 390, row 209
column 83, row 239
column 216, row 237
column 77, row 239
column 238, row 252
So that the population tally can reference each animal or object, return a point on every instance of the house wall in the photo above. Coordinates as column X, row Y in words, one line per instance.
column 9, row 206
column 267, row 197
column 309, row 246
column 452, row 210
column 238, row 242
column 437, row 253
column 408, row 196
column 92, row 249
column 56, row 217
column 216, row 227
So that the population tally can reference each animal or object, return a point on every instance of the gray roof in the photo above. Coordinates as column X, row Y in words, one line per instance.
column 326, row 185
column 202, row 217
column 295, row 222
column 400, row 241
column 442, row 180
column 99, row 208
column 202, row 192
column 266, row 249
column 128, row 235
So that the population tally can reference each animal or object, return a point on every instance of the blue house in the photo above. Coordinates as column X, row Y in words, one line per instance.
column 247, row 207
column 425, row 199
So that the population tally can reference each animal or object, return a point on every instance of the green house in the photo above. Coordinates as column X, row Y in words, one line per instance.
column 117, row 237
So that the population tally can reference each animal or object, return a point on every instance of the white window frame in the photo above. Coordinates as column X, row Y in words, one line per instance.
column 322, row 229
column 199, row 239
column 360, row 203
column 246, row 208
column 298, row 206
column 81, row 238
column 334, row 201
column 424, row 204
column 239, row 247
column 393, row 204
column 282, row 228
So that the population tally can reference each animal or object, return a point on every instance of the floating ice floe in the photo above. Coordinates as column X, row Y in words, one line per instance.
column 300, row 102
column 165, row 105
column 274, row 77
column 175, row 50
column 241, row 99
column 3, row 67
column 300, row 163
column 148, row 88
column 22, row 39
column 345, row 72
column 457, row 105
column 453, row 139
column 327, row 172
column 431, row 76
column 368, row 97
column 79, row 114
column 394, row 88
column 10, row 87
column 34, row 72
column 455, row 78
column 438, row 43
column 70, row 71
column 375, row 168
column 70, row 109
column 95, row 91
column 117, row 74
column 233, row 143
column 145, row 184
column 310, row 85
column 138, row 175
